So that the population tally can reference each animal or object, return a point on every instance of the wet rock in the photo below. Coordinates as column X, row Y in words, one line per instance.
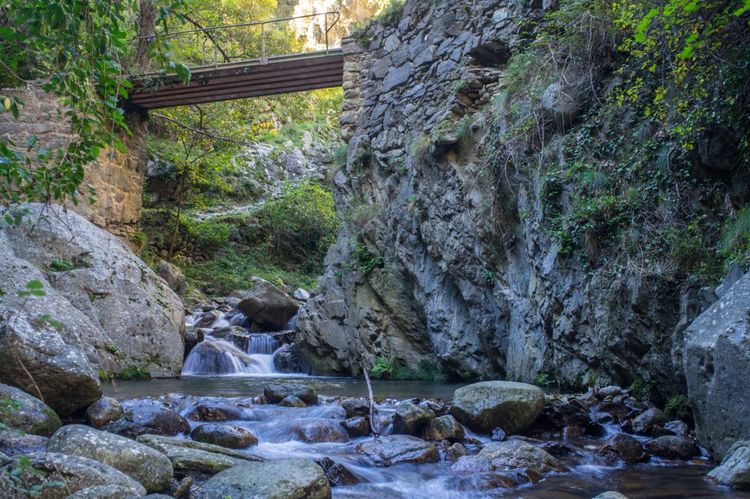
column 489, row 404
column 356, row 407
column 146, row 416
column 611, row 495
column 519, row 454
column 104, row 411
column 393, row 449
column 649, row 421
column 715, row 359
column 292, row 401
column 319, row 430
column 190, row 457
column 149, row 467
column 288, row 478
column 608, row 391
column 62, row 475
column 444, row 428
column 623, row 447
column 14, row 442
column 472, row 464
column 357, row 426
column 411, row 418
column 215, row 411
column 182, row 490
column 233, row 437
column 276, row 393
column 207, row 318
column 734, row 469
column 678, row 428
column 267, row 305
column 455, row 451
column 23, row 412
column 286, row 360
column 337, row 473
column 673, row 447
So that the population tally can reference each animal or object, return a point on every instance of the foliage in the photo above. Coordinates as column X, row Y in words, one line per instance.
column 544, row 380
column 678, row 407
column 78, row 48
column 367, row 261
column 61, row 265
column 388, row 368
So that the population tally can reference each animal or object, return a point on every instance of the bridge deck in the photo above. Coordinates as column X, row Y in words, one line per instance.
column 239, row 80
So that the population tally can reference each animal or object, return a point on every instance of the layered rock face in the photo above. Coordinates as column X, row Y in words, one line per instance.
column 440, row 263
column 77, row 301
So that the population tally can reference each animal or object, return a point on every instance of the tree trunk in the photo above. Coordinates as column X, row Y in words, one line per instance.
column 146, row 33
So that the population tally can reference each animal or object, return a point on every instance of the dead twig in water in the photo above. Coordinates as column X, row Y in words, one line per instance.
column 372, row 404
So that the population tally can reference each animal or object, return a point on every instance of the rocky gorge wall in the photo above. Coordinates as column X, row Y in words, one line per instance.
column 117, row 177
column 443, row 264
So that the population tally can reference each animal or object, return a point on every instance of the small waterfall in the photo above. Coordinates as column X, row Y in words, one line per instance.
column 218, row 357
column 263, row 344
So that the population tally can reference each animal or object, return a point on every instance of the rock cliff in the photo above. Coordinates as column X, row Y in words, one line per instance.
column 447, row 258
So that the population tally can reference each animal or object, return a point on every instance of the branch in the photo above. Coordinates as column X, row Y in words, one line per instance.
column 202, row 132
column 208, row 35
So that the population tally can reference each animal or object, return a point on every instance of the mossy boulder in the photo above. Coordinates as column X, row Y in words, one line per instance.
column 150, row 468
column 23, row 412
column 288, row 479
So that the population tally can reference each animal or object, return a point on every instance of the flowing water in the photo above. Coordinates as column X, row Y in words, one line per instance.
column 274, row 426
column 221, row 371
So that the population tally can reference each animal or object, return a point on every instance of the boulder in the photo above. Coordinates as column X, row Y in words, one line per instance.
column 292, row 401
column 301, row 294
column 23, row 412
column 276, row 393
column 623, row 447
column 489, row 404
column 268, row 306
column 715, row 360
column 357, row 427
column 150, row 468
column 286, row 360
column 191, row 457
column 337, row 473
column 649, row 421
column 62, row 475
column 146, row 416
column 62, row 372
column 216, row 411
column 14, row 442
column 611, row 494
column 104, row 411
column 563, row 102
column 107, row 309
column 287, row 478
column 356, row 407
column 444, row 428
column 519, row 454
column 455, row 452
column 411, row 418
column 104, row 492
column 319, row 430
column 673, row 447
column 734, row 469
column 172, row 275
column 394, row 449
column 233, row 437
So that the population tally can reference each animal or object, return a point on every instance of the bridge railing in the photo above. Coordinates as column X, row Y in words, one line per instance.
column 214, row 45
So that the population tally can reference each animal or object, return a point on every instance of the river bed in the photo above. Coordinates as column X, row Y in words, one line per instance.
column 589, row 473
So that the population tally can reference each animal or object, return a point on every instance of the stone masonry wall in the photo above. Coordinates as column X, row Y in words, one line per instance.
column 117, row 177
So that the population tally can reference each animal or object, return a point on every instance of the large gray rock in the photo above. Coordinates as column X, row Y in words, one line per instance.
column 519, row 454
column 411, row 418
column 23, row 412
column 563, row 102
column 268, row 306
column 735, row 468
column 146, row 416
column 150, row 468
column 190, row 457
column 716, row 356
column 444, row 428
column 490, row 404
column 319, row 430
column 394, row 449
column 233, row 437
column 63, row 475
column 276, row 393
column 14, row 442
column 104, row 411
column 102, row 308
column 285, row 479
